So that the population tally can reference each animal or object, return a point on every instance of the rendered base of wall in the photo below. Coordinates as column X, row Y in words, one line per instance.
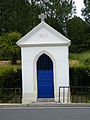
column 29, row 98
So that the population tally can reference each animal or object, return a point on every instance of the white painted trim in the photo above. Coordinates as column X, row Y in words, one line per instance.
column 35, row 72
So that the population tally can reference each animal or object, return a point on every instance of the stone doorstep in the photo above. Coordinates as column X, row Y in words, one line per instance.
column 43, row 100
column 46, row 104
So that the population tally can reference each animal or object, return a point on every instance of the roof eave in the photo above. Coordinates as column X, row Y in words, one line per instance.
column 44, row 45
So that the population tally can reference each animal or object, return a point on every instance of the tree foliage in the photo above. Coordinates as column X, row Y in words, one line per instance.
column 86, row 11
column 17, row 15
column 22, row 16
column 77, row 31
column 8, row 48
column 58, row 12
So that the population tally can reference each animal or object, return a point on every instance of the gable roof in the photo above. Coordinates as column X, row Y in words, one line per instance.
column 55, row 38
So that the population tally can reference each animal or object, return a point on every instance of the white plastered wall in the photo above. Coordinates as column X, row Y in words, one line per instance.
column 59, row 56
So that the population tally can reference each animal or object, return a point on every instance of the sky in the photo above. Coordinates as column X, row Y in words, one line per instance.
column 79, row 4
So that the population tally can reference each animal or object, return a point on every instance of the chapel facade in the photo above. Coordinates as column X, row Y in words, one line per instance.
column 45, row 65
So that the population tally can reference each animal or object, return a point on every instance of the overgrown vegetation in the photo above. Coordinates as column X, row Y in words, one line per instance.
column 79, row 58
column 80, row 75
column 10, row 83
column 10, row 76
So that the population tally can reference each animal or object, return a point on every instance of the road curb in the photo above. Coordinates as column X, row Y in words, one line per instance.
column 45, row 105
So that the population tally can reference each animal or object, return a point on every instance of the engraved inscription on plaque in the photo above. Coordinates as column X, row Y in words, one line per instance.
column 43, row 35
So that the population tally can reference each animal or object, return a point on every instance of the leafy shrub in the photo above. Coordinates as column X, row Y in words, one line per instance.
column 8, row 48
column 10, row 77
column 87, row 61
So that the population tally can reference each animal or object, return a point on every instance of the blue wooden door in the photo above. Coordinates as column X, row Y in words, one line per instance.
column 45, row 83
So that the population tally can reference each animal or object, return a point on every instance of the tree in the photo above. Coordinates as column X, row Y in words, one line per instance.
column 58, row 12
column 17, row 15
column 8, row 48
column 86, row 15
column 78, row 33
column 86, row 11
column 22, row 16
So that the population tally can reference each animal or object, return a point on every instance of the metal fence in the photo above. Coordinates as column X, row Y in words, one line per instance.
column 74, row 94
column 80, row 94
column 10, row 95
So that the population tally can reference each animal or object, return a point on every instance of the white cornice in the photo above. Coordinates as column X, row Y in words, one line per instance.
column 44, row 45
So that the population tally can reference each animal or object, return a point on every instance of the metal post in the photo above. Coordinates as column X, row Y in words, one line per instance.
column 59, row 94
column 63, row 93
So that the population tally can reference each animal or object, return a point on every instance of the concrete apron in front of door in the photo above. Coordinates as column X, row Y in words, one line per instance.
column 45, row 100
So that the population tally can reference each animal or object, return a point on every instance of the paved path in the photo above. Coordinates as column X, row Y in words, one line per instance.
column 62, row 113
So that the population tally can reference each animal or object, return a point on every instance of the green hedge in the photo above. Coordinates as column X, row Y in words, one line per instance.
column 80, row 75
column 10, row 77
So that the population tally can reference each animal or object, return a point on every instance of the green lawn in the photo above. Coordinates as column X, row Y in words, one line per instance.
column 5, row 66
column 79, row 58
column 74, row 59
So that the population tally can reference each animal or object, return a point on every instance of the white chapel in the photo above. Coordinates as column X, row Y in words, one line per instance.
column 45, row 65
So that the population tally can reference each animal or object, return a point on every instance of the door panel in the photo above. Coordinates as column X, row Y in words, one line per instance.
column 45, row 83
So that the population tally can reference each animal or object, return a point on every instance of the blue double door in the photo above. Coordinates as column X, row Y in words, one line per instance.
column 45, row 82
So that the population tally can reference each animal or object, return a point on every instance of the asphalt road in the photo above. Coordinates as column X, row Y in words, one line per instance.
column 45, row 113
